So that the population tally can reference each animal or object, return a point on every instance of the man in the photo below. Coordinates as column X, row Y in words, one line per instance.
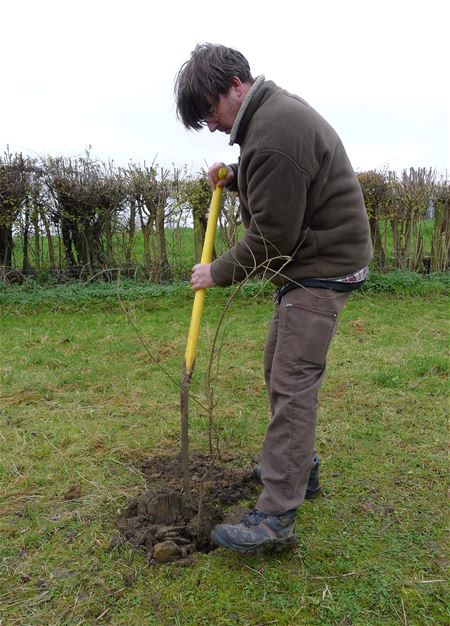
column 307, row 230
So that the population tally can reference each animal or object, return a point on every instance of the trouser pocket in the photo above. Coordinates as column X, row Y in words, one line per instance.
column 309, row 332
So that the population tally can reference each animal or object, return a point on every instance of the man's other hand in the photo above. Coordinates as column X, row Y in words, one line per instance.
column 201, row 276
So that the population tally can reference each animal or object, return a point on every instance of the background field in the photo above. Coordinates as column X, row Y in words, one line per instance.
column 82, row 403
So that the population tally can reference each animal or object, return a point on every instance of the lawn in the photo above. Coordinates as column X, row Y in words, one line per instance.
column 82, row 402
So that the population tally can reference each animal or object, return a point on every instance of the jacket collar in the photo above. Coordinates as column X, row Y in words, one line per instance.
column 246, row 111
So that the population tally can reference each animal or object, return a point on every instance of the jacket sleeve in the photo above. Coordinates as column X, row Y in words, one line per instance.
column 276, row 191
column 233, row 185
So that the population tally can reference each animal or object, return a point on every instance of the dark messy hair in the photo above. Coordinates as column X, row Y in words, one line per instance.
column 207, row 75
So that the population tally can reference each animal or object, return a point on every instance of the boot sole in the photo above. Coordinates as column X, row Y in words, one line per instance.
column 274, row 545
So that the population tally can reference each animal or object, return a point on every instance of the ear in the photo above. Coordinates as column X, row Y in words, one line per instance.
column 238, row 85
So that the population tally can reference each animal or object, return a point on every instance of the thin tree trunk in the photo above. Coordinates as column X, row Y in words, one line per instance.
column 162, row 246
column 378, row 250
column 37, row 238
column 146, row 241
column 395, row 243
column 6, row 245
column 199, row 236
column 67, row 243
column 26, row 241
column 131, row 234
column 108, row 243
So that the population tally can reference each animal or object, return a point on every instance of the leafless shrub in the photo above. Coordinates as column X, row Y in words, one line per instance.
column 78, row 215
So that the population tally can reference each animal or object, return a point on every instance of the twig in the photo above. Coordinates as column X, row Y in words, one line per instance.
column 404, row 612
column 329, row 577
column 428, row 582
column 291, row 621
column 150, row 354
column 131, row 469
column 102, row 614
column 230, row 300
column 254, row 570
column 32, row 601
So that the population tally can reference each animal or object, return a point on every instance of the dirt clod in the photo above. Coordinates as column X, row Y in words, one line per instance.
column 73, row 493
column 166, row 551
column 168, row 528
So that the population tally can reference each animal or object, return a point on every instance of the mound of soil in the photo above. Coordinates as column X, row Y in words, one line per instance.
column 159, row 520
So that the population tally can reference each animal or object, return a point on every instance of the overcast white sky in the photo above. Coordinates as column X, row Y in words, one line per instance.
column 100, row 73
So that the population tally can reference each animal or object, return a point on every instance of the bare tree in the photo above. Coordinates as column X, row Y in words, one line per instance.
column 440, row 241
column 87, row 197
column 375, row 188
column 230, row 219
column 14, row 179
column 411, row 192
column 149, row 195
column 196, row 193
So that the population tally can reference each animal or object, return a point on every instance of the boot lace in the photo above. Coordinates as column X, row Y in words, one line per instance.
column 253, row 518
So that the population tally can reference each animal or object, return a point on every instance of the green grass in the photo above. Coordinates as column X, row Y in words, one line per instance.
column 76, row 294
column 82, row 402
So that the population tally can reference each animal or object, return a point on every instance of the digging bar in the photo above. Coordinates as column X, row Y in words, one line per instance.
column 194, row 331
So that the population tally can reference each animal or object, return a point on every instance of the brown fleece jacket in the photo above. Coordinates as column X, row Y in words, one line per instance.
column 301, row 203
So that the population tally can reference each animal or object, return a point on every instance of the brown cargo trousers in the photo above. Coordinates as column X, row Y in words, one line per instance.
column 300, row 334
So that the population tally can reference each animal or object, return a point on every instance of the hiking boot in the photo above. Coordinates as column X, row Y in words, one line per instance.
column 313, row 488
column 257, row 532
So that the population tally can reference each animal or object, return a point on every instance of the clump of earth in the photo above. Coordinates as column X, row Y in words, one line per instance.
column 167, row 527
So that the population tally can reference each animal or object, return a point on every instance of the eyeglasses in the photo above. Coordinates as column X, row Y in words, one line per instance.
column 210, row 116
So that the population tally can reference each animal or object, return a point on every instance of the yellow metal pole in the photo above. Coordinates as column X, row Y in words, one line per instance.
column 194, row 331
column 199, row 298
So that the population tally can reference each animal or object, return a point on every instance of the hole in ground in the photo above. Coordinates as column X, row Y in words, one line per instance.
column 159, row 521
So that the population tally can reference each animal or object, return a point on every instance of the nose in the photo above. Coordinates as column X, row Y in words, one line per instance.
column 212, row 126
